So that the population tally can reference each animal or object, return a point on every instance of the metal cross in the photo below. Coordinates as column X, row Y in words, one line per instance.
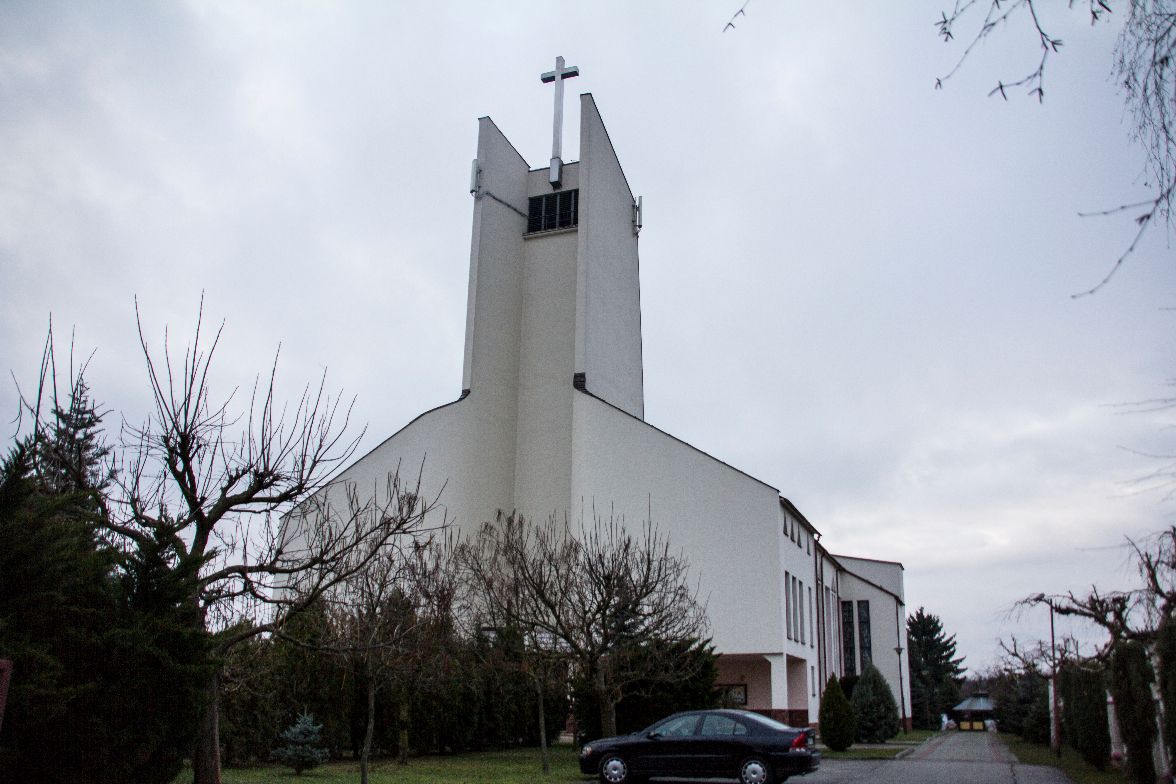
column 558, row 75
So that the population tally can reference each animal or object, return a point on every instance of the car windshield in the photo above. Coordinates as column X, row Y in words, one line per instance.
column 765, row 721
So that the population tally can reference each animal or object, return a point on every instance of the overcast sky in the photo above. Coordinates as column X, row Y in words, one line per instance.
column 854, row 286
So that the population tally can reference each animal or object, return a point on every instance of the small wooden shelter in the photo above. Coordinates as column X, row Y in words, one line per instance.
column 971, row 714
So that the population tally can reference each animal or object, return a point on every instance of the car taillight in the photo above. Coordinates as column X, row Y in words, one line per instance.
column 799, row 742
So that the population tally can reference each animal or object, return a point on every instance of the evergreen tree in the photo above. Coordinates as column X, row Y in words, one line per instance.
column 1084, row 716
column 1166, row 651
column 875, row 712
column 105, row 648
column 936, row 671
column 302, row 750
column 1131, row 680
column 836, row 717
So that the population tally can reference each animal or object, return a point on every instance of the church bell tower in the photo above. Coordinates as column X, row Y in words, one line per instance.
column 554, row 303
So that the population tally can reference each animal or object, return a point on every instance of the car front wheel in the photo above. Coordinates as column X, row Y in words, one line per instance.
column 614, row 770
column 755, row 771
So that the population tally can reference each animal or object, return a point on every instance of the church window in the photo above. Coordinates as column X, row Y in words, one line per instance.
column 863, row 609
column 812, row 624
column 847, row 643
column 800, row 601
column 788, row 603
column 558, row 210
column 795, row 613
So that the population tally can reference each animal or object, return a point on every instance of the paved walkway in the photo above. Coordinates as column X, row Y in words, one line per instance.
column 953, row 757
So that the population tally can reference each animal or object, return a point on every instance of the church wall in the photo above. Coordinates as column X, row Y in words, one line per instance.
column 543, row 471
column 754, row 673
column 887, row 632
column 455, row 445
column 887, row 574
column 723, row 520
column 608, row 309
column 493, row 306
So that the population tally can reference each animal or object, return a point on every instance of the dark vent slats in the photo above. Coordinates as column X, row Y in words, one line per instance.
column 559, row 210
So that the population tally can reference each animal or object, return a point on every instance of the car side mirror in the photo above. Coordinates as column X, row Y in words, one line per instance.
column 653, row 735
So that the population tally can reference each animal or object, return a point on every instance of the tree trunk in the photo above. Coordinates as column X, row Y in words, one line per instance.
column 608, row 708
column 366, row 754
column 402, row 738
column 206, row 763
column 543, row 728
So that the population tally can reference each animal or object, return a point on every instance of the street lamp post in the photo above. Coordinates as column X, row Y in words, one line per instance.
column 1055, row 717
column 901, row 692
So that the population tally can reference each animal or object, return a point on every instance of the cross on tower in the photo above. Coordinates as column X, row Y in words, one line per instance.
column 558, row 75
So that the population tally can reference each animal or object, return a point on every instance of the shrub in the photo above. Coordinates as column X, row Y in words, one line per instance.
column 874, row 709
column 1086, row 714
column 1131, row 679
column 302, row 751
column 836, row 717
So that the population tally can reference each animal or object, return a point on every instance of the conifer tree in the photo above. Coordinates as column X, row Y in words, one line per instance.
column 1166, row 652
column 874, row 709
column 836, row 717
column 302, row 750
column 1131, row 680
column 936, row 671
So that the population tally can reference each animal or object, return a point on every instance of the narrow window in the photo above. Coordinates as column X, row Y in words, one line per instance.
column 847, row 650
column 800, row 601
column 795, row 612
column 812, row 622
column 788, row 602
column 863, row 608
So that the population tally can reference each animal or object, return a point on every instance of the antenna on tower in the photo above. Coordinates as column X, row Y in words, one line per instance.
column 637, row 216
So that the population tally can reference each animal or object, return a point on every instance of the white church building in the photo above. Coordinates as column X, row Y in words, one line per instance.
column 551, row 419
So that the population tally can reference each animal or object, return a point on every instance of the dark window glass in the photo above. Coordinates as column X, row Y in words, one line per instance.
column 864, row 631
column 847, row 658
column 559, row 210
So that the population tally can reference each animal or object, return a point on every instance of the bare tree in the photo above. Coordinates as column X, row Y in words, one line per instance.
column 1144, row 62
column 387, row 617
column 1132, row 614
column 602, row 595
column 490, row 610
column 244, row 499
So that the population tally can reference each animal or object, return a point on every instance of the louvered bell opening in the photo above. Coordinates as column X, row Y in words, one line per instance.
column 559, row 210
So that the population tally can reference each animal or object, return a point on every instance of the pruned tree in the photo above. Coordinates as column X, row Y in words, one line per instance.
column 492, row 612
column 599, row 594
column 1144, row 64
column 390, row 617
column 1128, row 614
column 237, row 495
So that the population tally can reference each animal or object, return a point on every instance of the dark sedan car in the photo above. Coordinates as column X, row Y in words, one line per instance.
column 705, row 744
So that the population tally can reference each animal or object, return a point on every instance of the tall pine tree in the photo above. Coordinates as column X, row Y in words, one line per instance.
column 106, row 652
column 936, row 671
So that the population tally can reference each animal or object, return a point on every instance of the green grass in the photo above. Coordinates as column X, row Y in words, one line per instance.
column 519, row 766
column 1070, row 763
column 913, row 737
column 888, row 750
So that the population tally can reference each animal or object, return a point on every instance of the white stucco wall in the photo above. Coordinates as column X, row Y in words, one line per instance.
column 543, row 462
column 887, row 629
column 608, row 309
column 725, row 521
column 888, row 574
